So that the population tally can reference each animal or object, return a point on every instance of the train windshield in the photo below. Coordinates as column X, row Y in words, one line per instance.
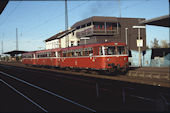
column 110, row 50
column 113, row 50
column 121, row 49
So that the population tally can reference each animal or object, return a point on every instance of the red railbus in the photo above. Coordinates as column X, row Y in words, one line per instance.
column 102, row 56
column 29, row 58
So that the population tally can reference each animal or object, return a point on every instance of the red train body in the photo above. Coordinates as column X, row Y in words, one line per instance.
column 104, row 56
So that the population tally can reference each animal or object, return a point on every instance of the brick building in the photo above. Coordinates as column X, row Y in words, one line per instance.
column 99, row 29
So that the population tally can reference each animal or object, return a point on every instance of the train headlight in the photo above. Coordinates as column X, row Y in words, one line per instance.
column 108, row 59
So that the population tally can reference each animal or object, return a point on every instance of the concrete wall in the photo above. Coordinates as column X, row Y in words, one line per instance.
column 147, row 61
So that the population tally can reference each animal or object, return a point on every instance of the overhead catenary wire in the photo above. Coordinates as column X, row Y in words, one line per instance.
column 12, row 11
column 70, row 10
column 53, row 18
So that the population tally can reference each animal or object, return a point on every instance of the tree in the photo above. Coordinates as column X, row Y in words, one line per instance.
column 164, row 44
column 155, row 43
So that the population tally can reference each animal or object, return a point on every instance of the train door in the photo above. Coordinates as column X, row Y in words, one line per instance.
column 33, row 59
column 59, row 53
column 56, row 59
column 95, row 59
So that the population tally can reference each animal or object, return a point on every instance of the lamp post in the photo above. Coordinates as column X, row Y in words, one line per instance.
column 139, row 42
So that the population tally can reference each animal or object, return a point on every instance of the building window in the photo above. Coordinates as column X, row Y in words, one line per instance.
column 83, row 26
column 78, row 43
column 96, row 26
column 88, row 24
column 72, row 43
column 78, row 27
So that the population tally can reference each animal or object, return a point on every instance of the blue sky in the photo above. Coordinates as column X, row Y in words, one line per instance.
column 39, row 20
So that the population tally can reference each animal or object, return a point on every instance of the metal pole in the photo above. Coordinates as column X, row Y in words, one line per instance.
column 16, row 39
column 117, row 27
column 66, row 23
column 66, row 16
column 139, row 27
column 2, row 46
column 119, row 9
column 139, row 48
column 126, row 35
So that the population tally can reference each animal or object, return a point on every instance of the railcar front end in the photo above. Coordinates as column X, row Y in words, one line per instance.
column 115, row 58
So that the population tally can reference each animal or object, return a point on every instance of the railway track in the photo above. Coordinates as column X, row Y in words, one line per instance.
column 43, row 99
column 147, row 75
column 103, row 91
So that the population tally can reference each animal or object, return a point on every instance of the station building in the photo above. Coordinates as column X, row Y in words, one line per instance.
column 99, row 29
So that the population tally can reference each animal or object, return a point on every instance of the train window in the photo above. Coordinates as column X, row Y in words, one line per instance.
column 78, row 52
column 64, row 53
column 52, row 54
column 48, row 54
column 88, row 51
column 110, row 50
column 27, row 56
column 121, row 49
column 45, row 54
column 72, row 54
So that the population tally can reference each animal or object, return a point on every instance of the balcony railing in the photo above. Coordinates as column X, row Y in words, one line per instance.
column 90, row 30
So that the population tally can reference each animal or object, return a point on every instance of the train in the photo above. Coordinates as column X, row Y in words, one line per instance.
column 109, row 56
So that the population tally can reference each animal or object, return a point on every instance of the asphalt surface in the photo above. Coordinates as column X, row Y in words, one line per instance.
column 32, row 90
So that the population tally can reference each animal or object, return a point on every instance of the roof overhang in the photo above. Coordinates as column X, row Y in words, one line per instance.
column 3, row 4
column 95, row 19
column 15, row 52
column 60, row 35
column 158, row 21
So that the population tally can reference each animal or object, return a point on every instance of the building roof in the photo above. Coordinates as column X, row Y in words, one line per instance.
column 3, row 4
column 59, row 35
column 158, row 21
column 95, row 19
column 159, row 52
column 15, row 52
column 56, row 36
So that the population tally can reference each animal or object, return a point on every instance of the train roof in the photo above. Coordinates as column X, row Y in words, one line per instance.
column 47, row 50
column 77, row 47
column 92, row 45
column 29, row 52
